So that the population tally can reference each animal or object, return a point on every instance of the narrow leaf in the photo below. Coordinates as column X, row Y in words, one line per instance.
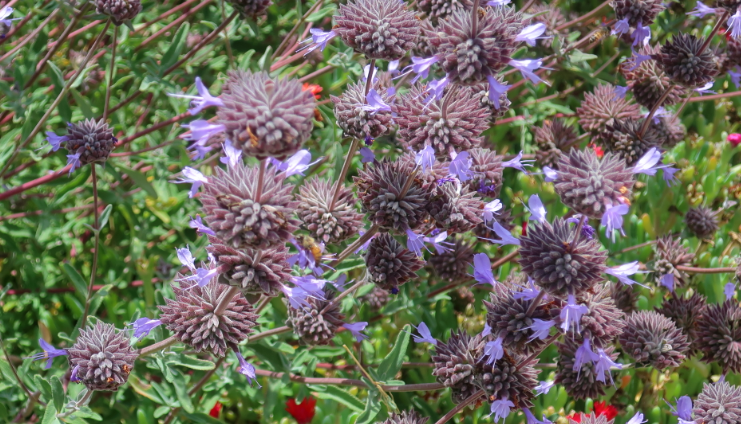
column 392, row 363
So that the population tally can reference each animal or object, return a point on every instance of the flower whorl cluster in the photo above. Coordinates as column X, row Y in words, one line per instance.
column 250, row 8
column 670, row 131
column 378, row 29
column 604, row 321
column 669, row 255
column 718, row 403
column 561, row 268
column 376, row 298
column 730, row 5
column 509, row 378
column 468, row 51
column 455, row 208
column 486, row 167
column 685, row 312
column 719, row 335
column 601, row 107
column 453, row 264
column 701, row 221
column 326, row 219
column 684, row 61
column 355, row 120
column 553, row 138
column 266, row 117
column 242, row 217
column 390, row 264
column 253, row 271
column 437, row 10
column 120, row 11
column 581, row 382
column 313, row 325
column 624, row 297
column 92, row 140
column 102, row 357
column 648, row 83
column 406, row 417
column 590, row 185
column 653, row 339
column 455, row 363
column 624, row 139
column 191, row 318
column 381, row 190
column 448, row 126
column 636, row 11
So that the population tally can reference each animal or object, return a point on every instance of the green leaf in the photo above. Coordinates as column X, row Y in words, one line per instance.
column 50, row 416
column 580, row 56
column 57, row 392
column 372, row 408
column 392, row 363
column 139, row 179
column 83, row 104
column 181, row 391
column 338, row 395
column 43, row 386
column 105, row 215
column 201, row 418
column 77, row 280
column 176, row 47
column 190, row 362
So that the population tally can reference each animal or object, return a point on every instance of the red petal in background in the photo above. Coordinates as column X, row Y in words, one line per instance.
column 602, row 408
column 575, row 417
column 216, row 410
column 303, row 412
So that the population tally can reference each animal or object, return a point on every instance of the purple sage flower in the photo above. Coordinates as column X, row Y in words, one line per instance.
column 706, row 89
column 486, row 331
column 460, row 166
column 518, row 163
column 247, row 369
column 613, row 220
column 587, row 230
column 531, row 33
column 701, row 10
column 494, row 350
column 583, row 355
column 550, row 174
column 355, row 329
column 367, row 155
column 296, row 164
column 186, row 258
column 192, row 176
column 420, row 66
column 669, row 176
column 202, row 276
column 526, row 68
column 735, row 77
column 571, row 315
column 500, row 409
column 73, row 377
column 482, row 269
column 623, row 271
column 436, row 88
column 201, row 130
column 438, row 242
column 49, row 353
column 233, row 155
column 144, row 325
column 638, row 59
column 296, row 296
column 203, row 100
column 667, row 281
column 621, row 27
column 55, row 140
column 197, row 224
column 528, row 292
column 620, row 92
column 425, row 158
column 415, row 242
column 495, row 90
column 497, row 3
column 200, row 151
column 734, row 24
column 641, row 35
column 530, row 418
column 73, row 160
column 506, row 236
column 4, row 13
column 425, row 336
column 729, row 290
column 536, row 208
column 683, row 410
column 490, row 209
column 541, row 329
column 603, row 364
column 318, row 40
column 393, row 67
column 375, row 103
column 637, row 419
column 544, row 387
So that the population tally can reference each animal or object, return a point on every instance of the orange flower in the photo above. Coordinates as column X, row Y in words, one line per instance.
column 313, row 88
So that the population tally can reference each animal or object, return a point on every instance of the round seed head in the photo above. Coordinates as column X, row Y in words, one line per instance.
column 455, row 128
column 729, row 5
column 455, row 363
column 702, row 221
column 636, row 11
column 455, row 209
column 104, row 356
column 653, row 339
column 553, row 138
column 719, row 335
column 376, row 298
column 685, row 311
column 669, row 131
column 240, row 216
column 379, row 29
column 453, row 264
column 266, row 117
column 250, row 8
column 624, row 297
column 92, row 139
column 406, row 417
column 590, row 185
column 390, row 264
column 381, row 192
column 732, row 55
column 718, row 403
column 423, row 48
column 604, row 321
column 561, row 268
column 669, row 253
column 470, row 52
column 684, row 63
column 600, row 108
column 648, row 82
column 437, row 10
column 623, row 139
column 311, row 326
column 325, row 221
column 253, row 271
column 120, row 11
column 505, row 380
column 487, row 172
column 357, row 122
column 581, row 383
column 191, row 319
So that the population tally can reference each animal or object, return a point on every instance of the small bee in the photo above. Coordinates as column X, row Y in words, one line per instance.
column 566, row 245
column 126, row 369
column 623, row 189
column 312, row 246
column 253, row 138
column 600, row 34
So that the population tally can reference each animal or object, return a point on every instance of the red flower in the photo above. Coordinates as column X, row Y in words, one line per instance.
column 602, row 408
column 313, row 88
column 575, row 417
column 524, row 228
column 216, row 410
column 735, row 139
column 303, row 412
column 598, row 150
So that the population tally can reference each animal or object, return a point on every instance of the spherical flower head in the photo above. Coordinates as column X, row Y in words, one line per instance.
column 325, row 221
column 240, row 216
column 653, row 339
column 191, row 319
column 684, row 63
column 120, row 11
column 92, row 140
column 455, row 208
column 553, row 138
column 624, row 297
column 702, row 222
column 486, row 167
column 378, row 29
column 266, row 117
column 250, row 9
column 470, row 52
column 455, row 363
column 507, row 315
column 376, row 298
column 381, row 192
column 590, row 185
column 601, row 107
column 455, row 129
column 719, row 335
column 389, row 263
column 437, row 10
column 406, row 417
column 669, row 131
column 254, row 271
column 669, row 253
column 561, row 268
column 729, row 5
column 648, row 82
column 624, row 139
column 584, row 381
column 636, row 11
column 102, row 356
column 505, row 380
column 312, row 327
column 685, row 312
column 453, row 264
column 604, row 321
column 355, row 120
column 718, row 403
